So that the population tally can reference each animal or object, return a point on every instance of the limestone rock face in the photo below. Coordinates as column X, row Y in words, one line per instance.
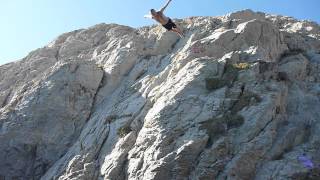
column 237, row 98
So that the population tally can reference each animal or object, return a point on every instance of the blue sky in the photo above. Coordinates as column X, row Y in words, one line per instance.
column 30, row 24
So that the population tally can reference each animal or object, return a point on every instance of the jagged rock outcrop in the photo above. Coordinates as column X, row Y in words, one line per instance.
column 237, row 98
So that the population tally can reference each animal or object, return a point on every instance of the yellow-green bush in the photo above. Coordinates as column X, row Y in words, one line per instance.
column 124, row 130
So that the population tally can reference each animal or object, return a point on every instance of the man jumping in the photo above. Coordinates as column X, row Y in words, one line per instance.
column 164, row 20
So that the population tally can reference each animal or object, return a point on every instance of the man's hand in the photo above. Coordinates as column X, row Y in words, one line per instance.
column 165, row 6
column 147, row 16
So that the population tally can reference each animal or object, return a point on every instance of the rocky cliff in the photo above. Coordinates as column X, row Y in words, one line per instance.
column 238, row 98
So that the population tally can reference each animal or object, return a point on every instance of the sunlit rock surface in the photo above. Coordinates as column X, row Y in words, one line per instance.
column 237, row 99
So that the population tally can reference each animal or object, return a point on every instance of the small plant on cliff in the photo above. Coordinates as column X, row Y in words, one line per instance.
column 230, row 75
column 246, row 98
column 124, row 130
column 241, row 66
column 100, row 66
column 218, row 126
column 292, row 52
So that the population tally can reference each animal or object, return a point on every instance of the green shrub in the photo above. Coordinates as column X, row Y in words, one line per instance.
column 291, row 52
column 244, row 100
column 218, row 126
column 234, row 120
column 230, row 75
column 282, row 76
column 215, row 83
column 111, row 118
column 124, row 130
column 100, row 66
column 241, row 66
column 214, row 129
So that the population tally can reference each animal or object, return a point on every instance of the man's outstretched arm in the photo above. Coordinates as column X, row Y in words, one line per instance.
column 165, row 6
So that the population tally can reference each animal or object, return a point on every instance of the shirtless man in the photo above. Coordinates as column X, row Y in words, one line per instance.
column 164, row 20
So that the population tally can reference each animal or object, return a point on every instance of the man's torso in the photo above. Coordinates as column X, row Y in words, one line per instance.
column 161, row 18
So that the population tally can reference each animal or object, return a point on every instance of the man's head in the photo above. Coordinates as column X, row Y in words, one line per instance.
column 153, row 12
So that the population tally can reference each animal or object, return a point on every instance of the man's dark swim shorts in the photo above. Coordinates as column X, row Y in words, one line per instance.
column 170, row 25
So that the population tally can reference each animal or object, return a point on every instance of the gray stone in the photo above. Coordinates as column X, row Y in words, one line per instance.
column 113, row 102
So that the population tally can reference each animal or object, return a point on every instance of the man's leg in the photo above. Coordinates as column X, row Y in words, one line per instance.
column 177, row 30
